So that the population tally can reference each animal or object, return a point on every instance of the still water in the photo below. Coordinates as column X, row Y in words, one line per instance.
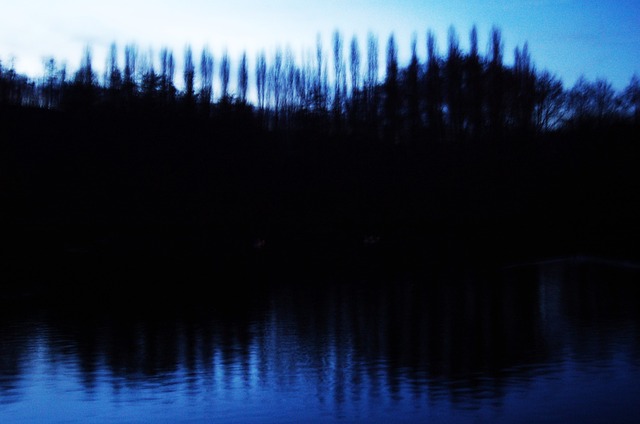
column 553, row 342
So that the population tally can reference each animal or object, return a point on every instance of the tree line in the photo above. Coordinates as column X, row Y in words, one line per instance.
column 451, row 96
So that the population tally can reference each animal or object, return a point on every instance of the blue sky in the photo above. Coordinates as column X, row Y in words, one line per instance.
column 567, row 37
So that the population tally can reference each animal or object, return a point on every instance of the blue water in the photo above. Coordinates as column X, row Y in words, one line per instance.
column 553, row 342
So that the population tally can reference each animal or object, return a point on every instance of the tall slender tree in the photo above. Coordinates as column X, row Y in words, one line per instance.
column 391, row 91
column 206, row 77
column 113, row 79
column 85, row 75
column 261, row 80
column 340, row 81
column 473, row 89
column 371, row 84
column 320, row 83
column 225, row 75
column 129, row 82
column 524, row 96
column 413, row 92
column 496, row 84
column 149, row 78
column 189, row 77
column 434, row 96
column 454, row 81
column 243, row 78
column 354, row 67
column 167, row 74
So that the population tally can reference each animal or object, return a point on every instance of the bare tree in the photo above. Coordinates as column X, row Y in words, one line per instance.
column 632, row 98
column 85, row 75
column 150, row 80
column 434, row 96
column 113, row 78
column 206, row 76
column 130, row 68
column 53, row 82
column 371, row 82
column 549, row 106
column 225, row 74
column 340, row 81
column 524, row 90
column 413, row 91
column 167, row 74
column 454, row 79
column 261, row 80
column 320, row 83
column 289, row 75
column 392, row 95
column 354, row 62
column 243, row 78
column 592, row 103
column 473, row 89
column 275, row 82
column 496, row 83
column 189, row 76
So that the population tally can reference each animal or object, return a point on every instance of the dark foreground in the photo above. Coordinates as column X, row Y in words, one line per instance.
column 118, row 189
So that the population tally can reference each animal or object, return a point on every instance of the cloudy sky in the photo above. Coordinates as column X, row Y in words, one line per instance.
column 567, row 37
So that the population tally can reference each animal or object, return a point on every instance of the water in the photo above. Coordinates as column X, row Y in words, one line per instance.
column 554, row 342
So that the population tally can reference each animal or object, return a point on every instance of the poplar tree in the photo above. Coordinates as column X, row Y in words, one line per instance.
column 413, row 92
column 225, row 75
column 433, row 85
column 189, row 76
column 206, row 77
column 243, row 78
column 392, row 98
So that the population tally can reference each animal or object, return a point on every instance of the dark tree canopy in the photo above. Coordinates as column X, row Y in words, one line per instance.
column 452, row 97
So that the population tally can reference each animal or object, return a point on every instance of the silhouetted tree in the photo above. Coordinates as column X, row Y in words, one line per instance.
column 276, row 83
column 289, row 94
column 392, row 95
column 340, row 81
column 261, row 81
column 150, row 80
column 354, row 67
column 455, row 96
column 454, row 78
column 496, row 84
column 524, row 96
column 167, row 74
column 473, row 89
column 83, row 92
column 189, row 77
column 434, row 95
column 113, row 75
column 206, row 79
column 243, row 78
column 413, row 92
column 53, row 83
column 371, row 84
column 225, row 74
column 320, row 82
column 129, row 84
column 632, row 98
column 549, row 105
column 592, row 103
column 85, row 75
column 304, row 88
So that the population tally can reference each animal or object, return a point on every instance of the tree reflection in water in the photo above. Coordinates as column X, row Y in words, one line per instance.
column 408, row 345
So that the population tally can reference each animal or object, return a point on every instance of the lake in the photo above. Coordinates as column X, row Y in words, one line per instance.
column 549, row 342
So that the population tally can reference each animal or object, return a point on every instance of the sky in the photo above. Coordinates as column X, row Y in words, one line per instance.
column 569, row 38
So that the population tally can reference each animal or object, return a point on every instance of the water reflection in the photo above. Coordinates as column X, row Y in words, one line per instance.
column 492, row 346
